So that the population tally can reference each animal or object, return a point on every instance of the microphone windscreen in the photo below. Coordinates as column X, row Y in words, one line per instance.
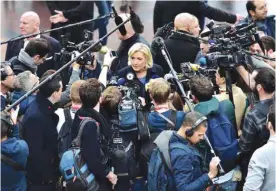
column 122, row 29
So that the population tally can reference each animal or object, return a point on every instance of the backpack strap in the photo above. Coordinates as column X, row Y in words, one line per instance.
column 67, row 115
column 171, row 120
column 162, row 142
column 77, row 141
column 8, row 161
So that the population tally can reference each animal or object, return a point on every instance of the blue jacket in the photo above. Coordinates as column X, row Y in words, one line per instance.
column 187, row 166
column 39, row 131
column 23, row 106
column 18, row 151
column 267, row 25
column 158, row 124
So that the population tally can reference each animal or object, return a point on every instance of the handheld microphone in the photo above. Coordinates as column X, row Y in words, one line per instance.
column 118, row 21
column 121, row 81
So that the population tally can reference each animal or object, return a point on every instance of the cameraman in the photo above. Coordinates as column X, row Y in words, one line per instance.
column 141, row 67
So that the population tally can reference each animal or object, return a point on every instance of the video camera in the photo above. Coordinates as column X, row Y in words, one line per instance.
column 229, row 44
column 70, row 49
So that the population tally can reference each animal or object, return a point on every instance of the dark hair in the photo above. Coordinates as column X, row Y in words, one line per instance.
column 191, row 118
column 250, row 6
column 268, row 42
column 176, row 101
column 201, row 88
column 266, row 78
column 90, row 93
column 5, row 116
column 51, row 86
column 233, row 74
column 271, row 115
column 38, row 46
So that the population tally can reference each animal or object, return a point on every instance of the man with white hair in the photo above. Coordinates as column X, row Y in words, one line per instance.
column 127, row 40
column 29, row 24
column 181, row 46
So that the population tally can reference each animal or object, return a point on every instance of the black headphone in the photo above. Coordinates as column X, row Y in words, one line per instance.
column 5, row 116
column 190, row 132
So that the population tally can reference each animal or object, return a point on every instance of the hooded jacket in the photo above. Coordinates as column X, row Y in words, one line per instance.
column 212, row 107
column 18, row 151
column 23, row 63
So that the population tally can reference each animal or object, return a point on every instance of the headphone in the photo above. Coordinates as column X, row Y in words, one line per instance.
column 5, row 116
column 190, row 132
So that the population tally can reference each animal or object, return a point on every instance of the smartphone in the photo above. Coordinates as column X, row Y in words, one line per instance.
column 113, row 53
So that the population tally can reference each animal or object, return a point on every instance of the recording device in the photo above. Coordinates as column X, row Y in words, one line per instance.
column 118, row 21
column 70, row 50
column 113, row 53
column 229, row 44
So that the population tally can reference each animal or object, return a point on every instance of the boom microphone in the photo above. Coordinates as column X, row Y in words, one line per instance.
column 118, row 21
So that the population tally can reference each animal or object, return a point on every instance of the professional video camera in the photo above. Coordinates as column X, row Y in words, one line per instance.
column 190, row 70
column 70, row 50
column 229, row 44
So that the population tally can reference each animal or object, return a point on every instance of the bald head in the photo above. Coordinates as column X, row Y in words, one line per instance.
column 29, row 23
column 187, row 22
column 128, row 26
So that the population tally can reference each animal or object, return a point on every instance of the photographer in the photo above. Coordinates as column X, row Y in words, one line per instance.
column 141, row 67
column 93, row 144
column 123, row 156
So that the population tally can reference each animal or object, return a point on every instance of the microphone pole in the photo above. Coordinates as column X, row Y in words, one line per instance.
column 173, row 72
column 56, row 29
column 64, row 66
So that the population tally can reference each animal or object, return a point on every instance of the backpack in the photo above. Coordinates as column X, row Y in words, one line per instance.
column 148, row 146
column 64, row 135
column 73, row 167
column 160, row 175
column 222, row 137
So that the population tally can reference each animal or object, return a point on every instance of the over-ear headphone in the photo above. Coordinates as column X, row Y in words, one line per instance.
column 5, row 116
column 190, row 132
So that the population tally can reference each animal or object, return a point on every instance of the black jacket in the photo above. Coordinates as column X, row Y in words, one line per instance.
column 123, row 51
column 74, row 11
column 181, row 48
column 90, row 143
column 40, row 133
column 165, row 12
column 14, row 48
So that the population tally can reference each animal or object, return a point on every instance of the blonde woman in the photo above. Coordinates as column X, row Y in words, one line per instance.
column 141, row 68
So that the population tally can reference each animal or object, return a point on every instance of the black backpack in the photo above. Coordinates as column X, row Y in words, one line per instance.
column 64, row 135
